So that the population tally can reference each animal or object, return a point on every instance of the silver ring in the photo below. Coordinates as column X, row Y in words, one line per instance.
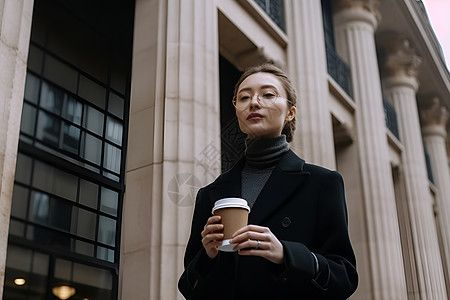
column 259, row 244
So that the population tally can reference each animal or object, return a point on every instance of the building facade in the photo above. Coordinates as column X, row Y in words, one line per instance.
column 113, row 114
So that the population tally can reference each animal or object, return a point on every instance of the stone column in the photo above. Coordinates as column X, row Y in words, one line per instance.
column 308, row 68
column 434, row 120
column 355, row 23
column 400, row 83
column 15, row 31
column 174, row 140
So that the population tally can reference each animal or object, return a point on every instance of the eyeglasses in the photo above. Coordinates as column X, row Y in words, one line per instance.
column 264, row 98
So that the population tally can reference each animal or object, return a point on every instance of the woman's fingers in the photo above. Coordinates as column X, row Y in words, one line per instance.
column 212, row 236
column 255, row 240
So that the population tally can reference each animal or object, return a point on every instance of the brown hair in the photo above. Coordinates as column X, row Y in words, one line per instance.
column 289, row 128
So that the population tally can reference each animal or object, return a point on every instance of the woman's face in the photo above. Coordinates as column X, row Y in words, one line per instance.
column 257, row 119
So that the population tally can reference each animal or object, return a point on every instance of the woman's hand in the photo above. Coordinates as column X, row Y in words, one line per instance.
column 258, row 241
column 212, row 236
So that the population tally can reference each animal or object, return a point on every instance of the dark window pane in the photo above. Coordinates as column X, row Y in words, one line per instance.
column 109, row 201
column 92, row 92
column 116, row 104
column 28, row 121
column 23, row 168
column 88, row 194
column 91, row 148
column 19, row 202
column 52, row 98
column 35, row 56
column 55, row 181
column 48, row 129
column 93, row 120
column 114, row 131
column 72, row 110
column 71, row 138
column 84, row 248
column 112, row 158
column 60, row 73
column 39, row 208
column 32, row 85
column 107, row 231
column 16, row 228
column 86, row 225
column 105, row 254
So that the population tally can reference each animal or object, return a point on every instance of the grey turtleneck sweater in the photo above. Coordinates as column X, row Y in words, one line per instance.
column 262, row 156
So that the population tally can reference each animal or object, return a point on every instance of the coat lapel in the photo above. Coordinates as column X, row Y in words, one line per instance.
column 287, row 177
column 229, row 184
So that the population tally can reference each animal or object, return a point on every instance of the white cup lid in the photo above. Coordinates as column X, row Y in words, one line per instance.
column 230, row 202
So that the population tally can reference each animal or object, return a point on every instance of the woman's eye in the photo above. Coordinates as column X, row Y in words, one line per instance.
column 269, row 96
column 244, row 98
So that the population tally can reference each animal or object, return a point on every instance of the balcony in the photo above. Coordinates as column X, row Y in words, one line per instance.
column 275, row 10
column 339, row 70
column 390, row 118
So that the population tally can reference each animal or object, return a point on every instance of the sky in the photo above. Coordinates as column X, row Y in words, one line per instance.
column 438, row 13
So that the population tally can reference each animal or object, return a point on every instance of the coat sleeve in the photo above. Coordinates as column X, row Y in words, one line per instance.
column 336, row 277
column 194, row 283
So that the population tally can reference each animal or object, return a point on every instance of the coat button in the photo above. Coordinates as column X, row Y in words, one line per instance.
column 286, row 222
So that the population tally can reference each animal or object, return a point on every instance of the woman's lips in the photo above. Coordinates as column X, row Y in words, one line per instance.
column 254, row 116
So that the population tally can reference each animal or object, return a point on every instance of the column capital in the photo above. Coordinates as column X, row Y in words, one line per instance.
column 399, row 58
column 371, row 6
column 434, row 116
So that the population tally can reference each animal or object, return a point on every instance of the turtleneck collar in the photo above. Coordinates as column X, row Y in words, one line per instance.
column 265, row 152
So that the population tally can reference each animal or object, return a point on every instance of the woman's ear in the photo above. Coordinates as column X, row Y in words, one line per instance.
column 291, row 113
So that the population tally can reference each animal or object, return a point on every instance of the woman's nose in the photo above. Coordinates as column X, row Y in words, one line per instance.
column 254, row 101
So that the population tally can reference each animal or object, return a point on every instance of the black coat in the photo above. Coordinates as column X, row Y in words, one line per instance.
column 304, row 206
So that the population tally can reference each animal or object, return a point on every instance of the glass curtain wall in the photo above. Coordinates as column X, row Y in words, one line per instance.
column 67, row 200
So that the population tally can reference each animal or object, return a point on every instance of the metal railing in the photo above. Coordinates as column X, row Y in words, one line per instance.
column 391, row 118
column 339, row 70
column 275, row 10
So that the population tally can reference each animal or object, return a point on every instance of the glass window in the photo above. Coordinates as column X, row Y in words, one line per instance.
column 72, row 110
column 93, row 120
column 90, row 276
column 48, row 129
column 60, row 73
column 16, row 228
column 107, row 231
column 28, row 122
column 92, row 92
column 29, row 265
column 55, row 181
column 52, row 98
column 88, row 194
column 35, row 56
column 63, row 269
column 116, row 105
column 105, row 254
column 23, row 168
column 112, row 158
column 91, row 148
column 19, row 202
column 60, row 214
column 32, row 85
column 109, row 201
column 40, row 263
column 39, row 208
column 70, row 138
column 84, row 248
column 114, row 131
column 19, row 258
column 86, row 225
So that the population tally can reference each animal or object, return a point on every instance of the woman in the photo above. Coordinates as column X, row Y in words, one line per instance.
column 296, row 245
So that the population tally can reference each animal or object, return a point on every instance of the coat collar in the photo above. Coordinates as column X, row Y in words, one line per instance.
column 287, row 177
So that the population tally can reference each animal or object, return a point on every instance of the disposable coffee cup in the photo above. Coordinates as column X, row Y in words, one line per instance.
column 234, row 213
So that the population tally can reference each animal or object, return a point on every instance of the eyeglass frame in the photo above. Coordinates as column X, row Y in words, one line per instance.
column 258, row 99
